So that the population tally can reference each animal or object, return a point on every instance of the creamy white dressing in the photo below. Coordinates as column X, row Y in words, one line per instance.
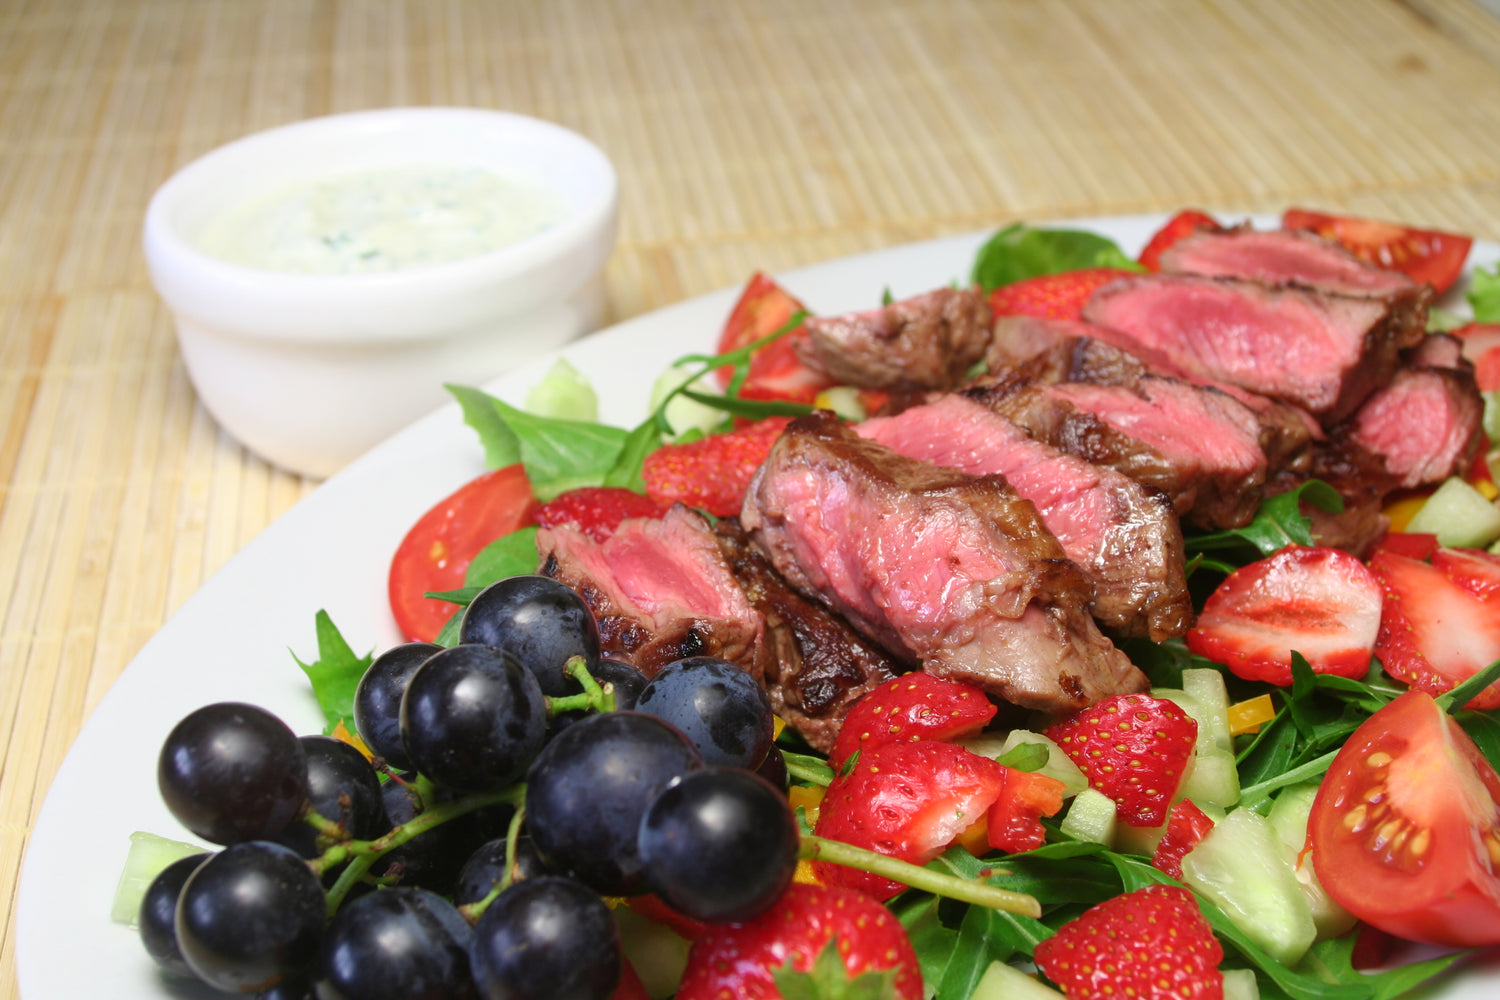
column 383, row 220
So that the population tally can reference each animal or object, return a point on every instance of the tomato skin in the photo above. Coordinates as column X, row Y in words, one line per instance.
column 775, row 371
column 1422, row 254
column 1409, row 769
column 437, row 549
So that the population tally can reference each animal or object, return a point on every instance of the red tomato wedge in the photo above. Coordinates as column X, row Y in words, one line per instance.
column 776, row 372
column 1405, row 830
column 1481, row 345
column 1423, row 254
column 439, row 547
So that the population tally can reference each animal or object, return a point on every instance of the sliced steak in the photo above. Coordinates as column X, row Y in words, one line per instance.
column 1282, row 257
column 955, row 572
column 817, row 666
column 661, row 589
column 1123, row 535
column 1426, row 424
column 1321, row 352
column 1199, row 447
column 930, row 341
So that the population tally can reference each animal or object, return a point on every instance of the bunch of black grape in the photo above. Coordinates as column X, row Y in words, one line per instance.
column 519, row 777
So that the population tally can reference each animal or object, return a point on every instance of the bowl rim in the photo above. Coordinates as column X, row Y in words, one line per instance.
column 211, row 289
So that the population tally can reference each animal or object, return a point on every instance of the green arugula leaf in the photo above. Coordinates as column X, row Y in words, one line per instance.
column 1462, row 694
column 1025, row 757
column 1019, row 251
column 335, row 673
column 509, row 555
column 984, row 936
column 1279, row 522
column 1484, row 294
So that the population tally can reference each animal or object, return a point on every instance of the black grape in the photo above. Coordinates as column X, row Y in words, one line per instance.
column 589, row 787
column 546, row 937
column 232, row 772
column 397, row 944
column 251, row 917
column 472, row 718
column 539, row 621
column 432, row 860
column 486, row 868
column 157, row 918
column 717, row 705
column 719, row 845
column 377, row 700
column 342, row 787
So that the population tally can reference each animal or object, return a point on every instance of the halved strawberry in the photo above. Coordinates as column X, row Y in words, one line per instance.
column 914, row 706
column 1474, row 570
column 753, row 960
column 1014, row 818
column 1186, row 825
column 1053, row 296
column 1434, row 634
column 1184, row 223
column 712, row 472
column 597, row 510
column 1318, row 601
column 1416, row 544
column 1134, row 749
column 1150, row 944
column 907, row 801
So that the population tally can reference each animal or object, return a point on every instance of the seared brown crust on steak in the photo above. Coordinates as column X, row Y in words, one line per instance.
column 929, row 341
column 954, row 571
column 1123, row 535
column 660, row 589
column 817, row 666
column 1282, row 257
column 1324, row 353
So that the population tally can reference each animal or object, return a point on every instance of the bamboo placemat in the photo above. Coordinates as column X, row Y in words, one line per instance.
column 747, row 135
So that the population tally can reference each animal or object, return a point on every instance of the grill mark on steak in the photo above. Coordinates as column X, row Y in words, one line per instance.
column 1322, row 352
column 1123, row 535
column 929, row 341
column 818, row 666
column 954, row 571
column 660, row 589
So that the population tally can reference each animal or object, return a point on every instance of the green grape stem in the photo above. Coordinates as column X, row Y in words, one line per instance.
column 818, row 849
column 361, row 854
column 594, row 697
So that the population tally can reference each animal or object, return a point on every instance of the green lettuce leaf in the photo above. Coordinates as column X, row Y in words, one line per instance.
column 335, row 673
column 1019, row 251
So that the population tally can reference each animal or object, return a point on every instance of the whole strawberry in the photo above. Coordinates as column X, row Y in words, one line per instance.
column 597, row 510
column 1134, row 749
column 712, row 472
column 1053, row 296
column 1150, row 944
column 830, row 941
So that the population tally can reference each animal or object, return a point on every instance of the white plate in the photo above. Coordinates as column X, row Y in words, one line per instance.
column 233, row 639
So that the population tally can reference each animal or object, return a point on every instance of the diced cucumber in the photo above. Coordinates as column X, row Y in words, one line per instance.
column 1212, row 779
column 1240, row 984
column 1242, row 866
column 657, row 952
column 1090, row 818
column 565, row 394
column 1058, row 764
column 1006, row 982
column 684, row 414
column 1288, row 815
column 149, row 854
column 1458, row 515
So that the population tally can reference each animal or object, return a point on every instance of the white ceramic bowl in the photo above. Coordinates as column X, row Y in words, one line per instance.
column 309, row 370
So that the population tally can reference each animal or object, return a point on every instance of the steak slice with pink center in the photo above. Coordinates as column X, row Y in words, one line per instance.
column 1324, row 353
column 661, row 590
column 1124, row 536
column 950, row 570
column 1283, row 257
